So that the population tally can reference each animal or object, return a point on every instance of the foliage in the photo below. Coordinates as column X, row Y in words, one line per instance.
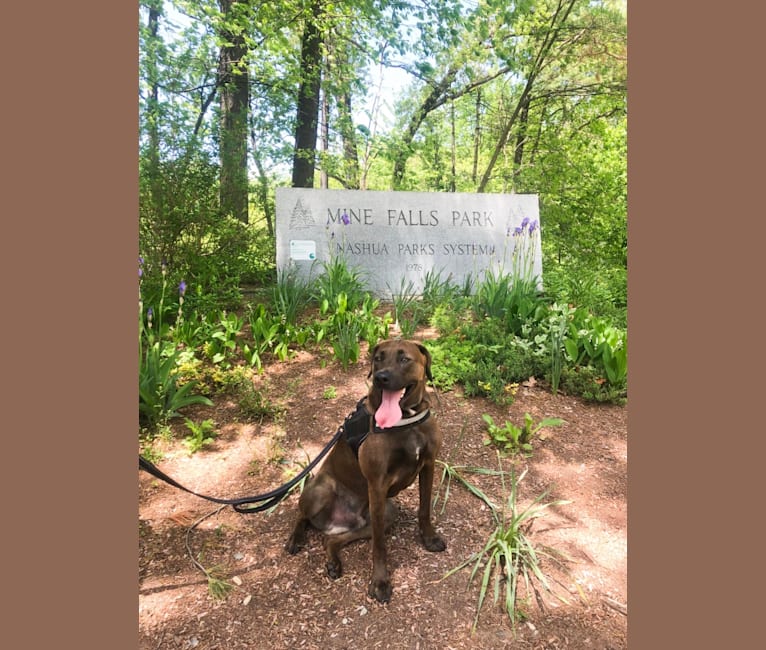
column 160, row 396
column 589, row 383
column 600, row 344
column 180, row 227
column 407, row 308
column 509, row 553
column 289, row 295
column 510, row 438
column 338, row 278
column 457, row 473
column 222, row 344
column 202, row 434
column 345, row 327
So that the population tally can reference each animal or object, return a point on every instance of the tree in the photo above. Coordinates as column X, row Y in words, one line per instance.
column 234, row 91
column 307, row 112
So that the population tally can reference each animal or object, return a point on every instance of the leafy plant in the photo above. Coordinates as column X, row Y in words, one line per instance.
column 223, row 341
column 330, row 393
column 457, row 473
column 202, row 434
column 558, row 322
column 160, row 396
column 509, row 556
column 335, row 279
column 406, row 308
column 600, row 344
column 290, row 295
column 511, row 438
column 264, row 330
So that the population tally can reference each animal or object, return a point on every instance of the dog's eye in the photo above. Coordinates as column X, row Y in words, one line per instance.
column 405, row 360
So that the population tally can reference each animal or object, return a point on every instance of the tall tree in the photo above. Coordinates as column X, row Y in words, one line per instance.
column 545, row 36
column 307, row 113
column 234, row 87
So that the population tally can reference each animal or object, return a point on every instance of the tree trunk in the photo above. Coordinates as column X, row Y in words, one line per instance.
column 234, row 86
column 453, row 143
column 308, row 100
column 476, row 137
column 154, row 101
column 350, row 154
column 324, row 140
column 521, row 138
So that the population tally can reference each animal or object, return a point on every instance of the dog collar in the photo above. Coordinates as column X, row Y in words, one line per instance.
column 404, row 422
column 358, row 425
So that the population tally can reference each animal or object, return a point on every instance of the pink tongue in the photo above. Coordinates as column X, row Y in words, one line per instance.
column 389, row 412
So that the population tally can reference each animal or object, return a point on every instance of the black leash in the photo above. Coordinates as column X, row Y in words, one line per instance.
column 269, row 499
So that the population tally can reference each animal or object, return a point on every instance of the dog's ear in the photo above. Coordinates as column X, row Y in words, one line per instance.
column 424, row 350
column 372, row 359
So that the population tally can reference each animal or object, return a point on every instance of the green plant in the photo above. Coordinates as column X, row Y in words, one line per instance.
column 290, row 295
column 598, row 343
column 406, row 308
column 251, row 402
column 457, row 473
column 509, row 554
column 223, row 341
column 264, row 330
column 160, row 396
column 511, row 438
column 558, row 324
column 438, row 290
column 202, row 434
column 589, row 382
column 330, row 393
column 337, row 278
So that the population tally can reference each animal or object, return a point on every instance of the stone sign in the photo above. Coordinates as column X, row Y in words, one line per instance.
column 396, row 238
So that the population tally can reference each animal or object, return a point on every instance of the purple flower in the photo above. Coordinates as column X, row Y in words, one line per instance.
column 149, row 313
column 532, row 226
column 182, row 288
column 524, row 223
column 345, row 218
column 517, row 231
column 140, row 271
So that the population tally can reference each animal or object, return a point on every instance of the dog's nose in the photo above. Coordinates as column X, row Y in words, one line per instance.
column 383, row 377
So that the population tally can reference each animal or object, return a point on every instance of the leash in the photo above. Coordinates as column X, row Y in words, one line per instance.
column 266, row 500
column 355, row 427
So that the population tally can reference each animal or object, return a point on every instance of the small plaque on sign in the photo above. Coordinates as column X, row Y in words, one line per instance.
column 301, row 249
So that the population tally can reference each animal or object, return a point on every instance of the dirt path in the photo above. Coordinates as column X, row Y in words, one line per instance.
column 283, row 601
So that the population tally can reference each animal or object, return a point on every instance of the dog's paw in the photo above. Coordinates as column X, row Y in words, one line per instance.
column 434, row 543
column 380, row 590
column 293, row 546
column 334, row 570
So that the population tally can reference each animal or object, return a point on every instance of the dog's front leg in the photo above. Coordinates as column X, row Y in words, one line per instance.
column 431, row 539
column 380, row 585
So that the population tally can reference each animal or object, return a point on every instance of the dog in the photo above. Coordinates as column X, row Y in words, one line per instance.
column 349, row 498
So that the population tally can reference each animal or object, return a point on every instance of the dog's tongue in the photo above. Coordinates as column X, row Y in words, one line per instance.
column 389, row 412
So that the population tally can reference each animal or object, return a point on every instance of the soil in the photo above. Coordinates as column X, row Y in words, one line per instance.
column 281, row 601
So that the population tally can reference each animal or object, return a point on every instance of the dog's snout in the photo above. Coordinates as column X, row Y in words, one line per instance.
column 383, row 377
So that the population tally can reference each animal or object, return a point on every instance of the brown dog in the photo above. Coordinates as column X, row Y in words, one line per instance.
column 348, row 499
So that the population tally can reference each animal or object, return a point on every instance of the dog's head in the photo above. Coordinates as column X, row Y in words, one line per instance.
column 399, row 370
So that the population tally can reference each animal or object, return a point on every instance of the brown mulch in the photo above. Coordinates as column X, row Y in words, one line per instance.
column 282, row 601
